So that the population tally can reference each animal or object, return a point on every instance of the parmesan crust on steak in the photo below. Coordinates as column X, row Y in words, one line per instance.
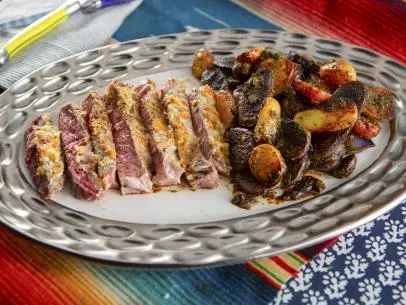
column 167, row 169
column 43, row 156
column 200, row 173
column 130, row 138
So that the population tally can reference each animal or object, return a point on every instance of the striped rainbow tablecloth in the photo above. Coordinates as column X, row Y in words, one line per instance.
column 366, row 266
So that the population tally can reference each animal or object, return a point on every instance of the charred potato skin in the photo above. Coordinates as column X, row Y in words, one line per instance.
column 307, row 186
column 268, row 122
column 345, row 168
column 267, row 164
column 293, row 140
column 290, row 103
column 328, row 150
column 381, row 104
column 202, row 61
column 295, row 171
column 337, row 73
column 354, row 91
column 241, row 143
column 305, row 64
column 246, row 182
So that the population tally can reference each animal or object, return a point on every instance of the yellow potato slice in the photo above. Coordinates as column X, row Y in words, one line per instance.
column 267, row 164
column 320, row 120
column 337, row 73
column 269, row 119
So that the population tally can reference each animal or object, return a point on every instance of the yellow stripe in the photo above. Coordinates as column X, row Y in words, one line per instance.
column 274, row 268
column 34, row 32
column 290, row 261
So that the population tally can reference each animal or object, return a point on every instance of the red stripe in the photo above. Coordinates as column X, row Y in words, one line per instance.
column 34, row 285
column 302, row 256
column 284, row 266
column 378, row 25
column 264, row 276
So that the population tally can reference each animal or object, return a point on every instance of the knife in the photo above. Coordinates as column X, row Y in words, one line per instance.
column 47, row 23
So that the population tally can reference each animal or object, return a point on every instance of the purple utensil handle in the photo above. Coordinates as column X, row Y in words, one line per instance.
column 106, row 3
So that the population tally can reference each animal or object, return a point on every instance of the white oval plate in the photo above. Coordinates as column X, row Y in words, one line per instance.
column 190, row 228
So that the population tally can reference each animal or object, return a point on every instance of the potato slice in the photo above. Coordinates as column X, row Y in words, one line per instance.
column 345, row 168
column 226, row 107
column 314, row 94
column 293, row 140
column 251, row 56
column 267, row 164
column 269, row 119
column 337, row 73
column 318, row 120
column 366, row 128
column 283, row 73
column 381, row 104
column 203, row 60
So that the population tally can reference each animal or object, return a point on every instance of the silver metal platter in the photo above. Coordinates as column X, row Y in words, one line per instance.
column 379, row 187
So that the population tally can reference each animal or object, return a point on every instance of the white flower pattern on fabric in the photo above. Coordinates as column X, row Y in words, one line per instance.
column 335, row 284
column 356, row 266
column 399, row 295
column 377, row 248
column 365, row 267
column 312, row 297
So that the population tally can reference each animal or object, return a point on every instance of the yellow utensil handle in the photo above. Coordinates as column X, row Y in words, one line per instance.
column 35, row 31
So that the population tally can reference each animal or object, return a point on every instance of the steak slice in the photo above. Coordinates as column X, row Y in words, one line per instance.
column 80, row 160
column 200, row 173
column 209, row 129
column 251, row 95
column 99, row 128
column 162, row 141
column 130, row 138
column 44, row 157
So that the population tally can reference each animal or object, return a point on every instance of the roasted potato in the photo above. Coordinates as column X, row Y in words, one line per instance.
column 354, row 91
column 283, row 73
column 267, row 164
column 345, row 168
column 256, row 55
column 327, row 151
column 337, row 73
column 355, row 144
column 242, row 70
column 381, row 104
column 251, row 56
column 314, row 94
column 305, row 64
column 246, row 182
column 290, row 103
column 226, row 107
column 244, row 200
column 318, row 120
column 366, row 128
column 293, row 140
column 215, row 78
column 202, row 61
column 307, row 186
column 241, row 143
column 269, row 119
column 295, row 171
column 225, row 64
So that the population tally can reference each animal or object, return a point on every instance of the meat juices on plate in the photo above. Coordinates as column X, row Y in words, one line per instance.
column 99, row 128
column 168, row 170
column 209, row 129
column 43, row 156
column 130, row 138
column 80, row 159
column 200, row 173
